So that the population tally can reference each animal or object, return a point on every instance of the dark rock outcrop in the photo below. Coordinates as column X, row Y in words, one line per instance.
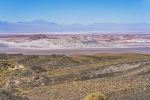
column 9, row 96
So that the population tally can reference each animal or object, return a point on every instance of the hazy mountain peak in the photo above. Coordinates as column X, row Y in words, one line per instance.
column 37, row 21
column 40, row 25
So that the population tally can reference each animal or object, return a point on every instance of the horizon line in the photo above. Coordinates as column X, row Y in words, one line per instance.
column 43, row 20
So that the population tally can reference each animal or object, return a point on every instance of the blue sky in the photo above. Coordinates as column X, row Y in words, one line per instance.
column 76, row 11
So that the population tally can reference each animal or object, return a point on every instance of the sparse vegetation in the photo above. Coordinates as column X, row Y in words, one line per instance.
column 61, row 77
column 6, row 64
column 94, row 96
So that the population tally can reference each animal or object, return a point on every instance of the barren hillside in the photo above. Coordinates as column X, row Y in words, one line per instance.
column 60, row 77
column 75, row 41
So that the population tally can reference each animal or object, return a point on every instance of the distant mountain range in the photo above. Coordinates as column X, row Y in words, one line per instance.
column 37, row 26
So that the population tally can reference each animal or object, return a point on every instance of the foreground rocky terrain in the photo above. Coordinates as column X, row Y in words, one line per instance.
column 61, row 77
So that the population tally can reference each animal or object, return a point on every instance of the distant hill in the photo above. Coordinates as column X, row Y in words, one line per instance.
column 45, row 26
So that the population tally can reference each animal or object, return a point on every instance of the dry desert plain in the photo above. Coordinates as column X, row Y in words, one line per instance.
column 69, row 44
column 70, row 67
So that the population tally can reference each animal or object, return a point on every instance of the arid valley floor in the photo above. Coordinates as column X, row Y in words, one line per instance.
column 117, row 66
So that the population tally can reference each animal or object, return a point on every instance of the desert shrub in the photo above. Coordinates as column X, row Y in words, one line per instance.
column 6, row 64
column 38, row 69
column 19, row 91
column 94, row 96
